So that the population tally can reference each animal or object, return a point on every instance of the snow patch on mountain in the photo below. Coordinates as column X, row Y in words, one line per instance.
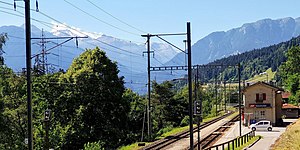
column 65, row 30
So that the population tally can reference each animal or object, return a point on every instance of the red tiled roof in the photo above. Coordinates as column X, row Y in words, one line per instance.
column 286, row 95
column 286, row 106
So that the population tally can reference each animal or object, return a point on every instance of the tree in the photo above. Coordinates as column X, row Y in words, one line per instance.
column 168, row 110
column 12, row 110
column 92, row 106
column 290, row 73
column 3, row 37
column 136, row 115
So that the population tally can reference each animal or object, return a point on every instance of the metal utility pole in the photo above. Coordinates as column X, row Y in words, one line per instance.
column 225, row 98
column 149, row 80
column 189, row 47
column 216, row 95
column 240, row 117
column 28, row 73
column 149, row 86
column 196, row 98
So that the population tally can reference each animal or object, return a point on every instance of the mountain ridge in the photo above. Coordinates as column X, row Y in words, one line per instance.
column 249, row 36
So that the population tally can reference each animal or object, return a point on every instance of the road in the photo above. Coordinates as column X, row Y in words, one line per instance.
column 269, row 137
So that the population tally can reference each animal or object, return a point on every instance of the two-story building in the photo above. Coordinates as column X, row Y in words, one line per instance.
column 262, row 101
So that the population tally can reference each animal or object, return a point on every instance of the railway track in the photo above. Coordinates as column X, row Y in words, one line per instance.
column 216, row 135
column 160, row 144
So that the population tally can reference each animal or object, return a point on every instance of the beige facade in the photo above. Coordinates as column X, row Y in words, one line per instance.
column 262, row 101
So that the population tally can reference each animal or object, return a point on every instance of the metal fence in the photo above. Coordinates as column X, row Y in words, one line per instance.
column 232, row 144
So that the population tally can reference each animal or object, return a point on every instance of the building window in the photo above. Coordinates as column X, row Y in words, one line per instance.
column 256, row 115
column 262, row 114
column 260, row 97
column 259, row 115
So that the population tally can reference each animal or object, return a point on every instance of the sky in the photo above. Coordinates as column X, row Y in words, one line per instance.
column 128, row 19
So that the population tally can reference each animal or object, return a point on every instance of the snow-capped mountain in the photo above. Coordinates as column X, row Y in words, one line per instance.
column 127, row 54
column 65, row 30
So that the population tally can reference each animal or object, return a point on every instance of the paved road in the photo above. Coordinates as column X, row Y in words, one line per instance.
column 269, row 137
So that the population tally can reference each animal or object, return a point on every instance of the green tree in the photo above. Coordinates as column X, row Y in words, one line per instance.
column 12, row 110
column 168, row 110
column 136, row 115
column 46, row 92
column 92, row 107
column 3, row 38
column 290, row 73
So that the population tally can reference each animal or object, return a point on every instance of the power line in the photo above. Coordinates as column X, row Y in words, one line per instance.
column 87, row 35
column 45, row 23
column 100, row 19
column 171, row 44
column 115, row 17
column 11, row 13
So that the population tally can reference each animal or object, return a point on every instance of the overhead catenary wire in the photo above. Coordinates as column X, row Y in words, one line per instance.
column 115, row 17
column 71, row 29
column 56, row 19
column 82, row 32
column 87, row 35
column 170, row 44
column 100, row 19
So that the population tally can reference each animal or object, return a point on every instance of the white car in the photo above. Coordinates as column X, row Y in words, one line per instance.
column 261, row 125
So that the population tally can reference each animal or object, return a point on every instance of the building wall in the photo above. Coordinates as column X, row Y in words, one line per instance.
column 266, row 113
column 278, row 106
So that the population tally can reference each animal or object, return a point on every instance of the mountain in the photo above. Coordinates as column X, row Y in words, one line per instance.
column 247, row 37
column 253, row 62
column 128, row 55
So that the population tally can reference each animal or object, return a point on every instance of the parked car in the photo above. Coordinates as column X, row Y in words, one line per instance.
column 261, row 125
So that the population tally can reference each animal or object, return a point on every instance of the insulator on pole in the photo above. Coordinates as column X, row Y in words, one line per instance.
column 76, row 42
column 37, row 6
column 15, row 5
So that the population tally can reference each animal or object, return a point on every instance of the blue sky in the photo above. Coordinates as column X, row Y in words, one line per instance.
column 154, row 16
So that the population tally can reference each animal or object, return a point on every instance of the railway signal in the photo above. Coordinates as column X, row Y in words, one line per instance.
column 197, row 108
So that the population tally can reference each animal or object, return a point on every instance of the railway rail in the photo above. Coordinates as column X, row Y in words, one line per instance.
column 210, row 139
column 160, row 144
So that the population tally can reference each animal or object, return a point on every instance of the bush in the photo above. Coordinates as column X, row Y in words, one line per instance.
column 165, row 130
column 94, row 146
column 184, row 121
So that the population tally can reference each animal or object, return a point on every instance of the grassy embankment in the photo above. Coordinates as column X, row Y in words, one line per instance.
column 175, row 130
column 290, row 139
column 268, row 76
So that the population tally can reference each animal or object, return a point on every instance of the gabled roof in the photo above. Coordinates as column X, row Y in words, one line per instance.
column 263, row 84
column 289, row 106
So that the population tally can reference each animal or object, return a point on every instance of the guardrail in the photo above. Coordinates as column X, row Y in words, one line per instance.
column 232, row 144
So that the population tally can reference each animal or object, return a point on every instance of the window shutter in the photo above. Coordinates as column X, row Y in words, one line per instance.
column 264, row 96
column 257, row 97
